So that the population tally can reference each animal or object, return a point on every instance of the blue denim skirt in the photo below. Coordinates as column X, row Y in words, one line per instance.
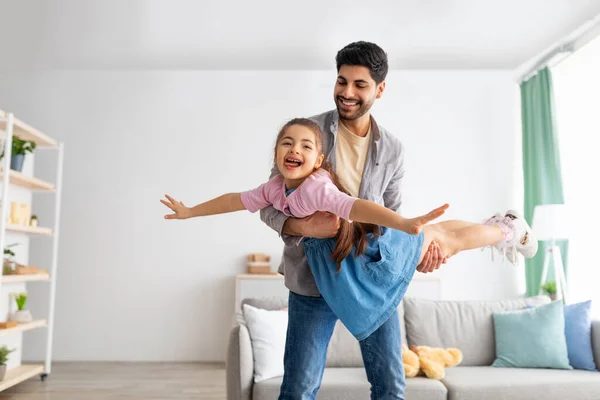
column 368, row 289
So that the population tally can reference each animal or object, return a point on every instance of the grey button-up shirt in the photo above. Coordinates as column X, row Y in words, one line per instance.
column 381, row 183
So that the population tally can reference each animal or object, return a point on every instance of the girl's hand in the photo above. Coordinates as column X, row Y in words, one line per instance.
column 416, row 224
column 180, row 210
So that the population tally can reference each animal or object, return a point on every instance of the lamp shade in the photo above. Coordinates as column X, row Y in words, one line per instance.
column 551, row 222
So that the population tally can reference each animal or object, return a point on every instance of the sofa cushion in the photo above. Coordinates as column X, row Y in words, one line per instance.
column 352, row 384
column 578, row 332
column 532, row 338
column 489, row 383
column 467, row 325
column 344, row 349
column 596, row 342
column 266, row 303
column 267, row 330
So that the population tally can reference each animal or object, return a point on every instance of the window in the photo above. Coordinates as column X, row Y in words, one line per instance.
column 577, row 112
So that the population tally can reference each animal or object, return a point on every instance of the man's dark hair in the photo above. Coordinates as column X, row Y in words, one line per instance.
column 366, row 54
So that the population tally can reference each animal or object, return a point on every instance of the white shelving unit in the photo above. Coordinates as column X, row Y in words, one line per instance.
column 10, row 127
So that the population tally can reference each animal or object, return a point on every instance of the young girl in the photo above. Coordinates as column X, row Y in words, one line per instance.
column 364, row 287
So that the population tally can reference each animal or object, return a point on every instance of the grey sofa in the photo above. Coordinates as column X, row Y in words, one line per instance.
column 467, row 325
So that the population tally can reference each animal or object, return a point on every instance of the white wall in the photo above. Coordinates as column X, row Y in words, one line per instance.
column 133, row 286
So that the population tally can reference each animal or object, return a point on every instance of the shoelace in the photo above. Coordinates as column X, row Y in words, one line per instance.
column 503, row 251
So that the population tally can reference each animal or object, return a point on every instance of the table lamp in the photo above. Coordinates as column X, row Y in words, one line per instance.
column 551, row 222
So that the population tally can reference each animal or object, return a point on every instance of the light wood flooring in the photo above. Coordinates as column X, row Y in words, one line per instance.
column 124, row 381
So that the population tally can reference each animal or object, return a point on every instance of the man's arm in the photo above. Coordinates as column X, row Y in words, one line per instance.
column 319, row 225
column 392, row 196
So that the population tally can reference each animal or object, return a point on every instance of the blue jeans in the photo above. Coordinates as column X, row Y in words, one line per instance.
column 310, row 326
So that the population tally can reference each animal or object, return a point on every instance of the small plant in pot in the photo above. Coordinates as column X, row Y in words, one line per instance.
column 19, row 149
column 8, row 266
column 9, row 262
column 4, row 352
column 549, row 288
column 22, row 316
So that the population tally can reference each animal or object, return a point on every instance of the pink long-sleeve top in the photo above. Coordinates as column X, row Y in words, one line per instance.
column 316, row 193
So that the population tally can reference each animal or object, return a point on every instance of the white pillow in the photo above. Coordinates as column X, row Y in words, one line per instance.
column 267, row 333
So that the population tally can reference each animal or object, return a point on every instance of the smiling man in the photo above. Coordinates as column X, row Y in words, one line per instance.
column 370, row 163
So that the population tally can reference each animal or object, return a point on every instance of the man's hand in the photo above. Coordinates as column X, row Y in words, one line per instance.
column 318, row 225
column 432, row 259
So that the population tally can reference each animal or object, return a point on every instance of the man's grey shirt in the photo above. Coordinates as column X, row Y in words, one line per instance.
column 381, row 183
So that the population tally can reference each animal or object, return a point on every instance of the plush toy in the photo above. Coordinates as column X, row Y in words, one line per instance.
column 429, row 361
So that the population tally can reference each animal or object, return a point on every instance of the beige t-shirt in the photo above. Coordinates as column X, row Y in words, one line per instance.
column 351, row 154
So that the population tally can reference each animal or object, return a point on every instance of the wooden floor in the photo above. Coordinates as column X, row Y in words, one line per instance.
column 124, row 381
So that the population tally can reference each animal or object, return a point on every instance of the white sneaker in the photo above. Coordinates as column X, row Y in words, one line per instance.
column 524, row 240
column 508, row 228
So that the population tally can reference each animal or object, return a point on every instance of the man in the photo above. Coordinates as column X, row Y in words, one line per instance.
column 370, row 164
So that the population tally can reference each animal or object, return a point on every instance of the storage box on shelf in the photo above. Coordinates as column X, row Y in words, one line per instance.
column 16, row 228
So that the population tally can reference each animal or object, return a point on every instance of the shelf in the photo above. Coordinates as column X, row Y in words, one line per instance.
column 38, row 230
column 17, row 178
column 18, row 278
column 20, row 374
column 272, row 275
column 23, row 327
column 26, row 132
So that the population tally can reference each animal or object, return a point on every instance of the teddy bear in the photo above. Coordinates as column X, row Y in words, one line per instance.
column 429, row 361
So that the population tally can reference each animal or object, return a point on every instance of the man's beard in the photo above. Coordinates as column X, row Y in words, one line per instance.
column 352, row 115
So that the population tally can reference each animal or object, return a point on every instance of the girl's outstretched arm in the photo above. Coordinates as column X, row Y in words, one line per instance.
column 226, row 203
column 373, row 213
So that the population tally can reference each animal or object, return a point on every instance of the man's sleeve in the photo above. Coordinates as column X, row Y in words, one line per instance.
column 392, row 197
column 275, row 218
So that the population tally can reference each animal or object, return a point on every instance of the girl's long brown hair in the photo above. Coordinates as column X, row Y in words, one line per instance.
column 350, row 234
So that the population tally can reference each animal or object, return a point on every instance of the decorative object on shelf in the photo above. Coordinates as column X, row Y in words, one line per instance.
column 11, row 267
column 9, row 264
column 549, row 288
column 551, row 222
column 22, row 315
column 33, row 221
column 4, row 352
column 8, row 324
column 28, row 270
column 15, row 212
column 25, row 214
column 19, row 149
column 259, row 263
column 20, row 213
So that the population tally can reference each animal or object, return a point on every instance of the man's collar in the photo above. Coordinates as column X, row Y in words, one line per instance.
column 336, row 118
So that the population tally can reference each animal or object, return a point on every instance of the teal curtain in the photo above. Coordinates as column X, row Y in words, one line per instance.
column 541, row 164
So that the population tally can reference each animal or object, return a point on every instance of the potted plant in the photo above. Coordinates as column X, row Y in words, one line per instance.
column 549, row 288
column 9, row 263
column 4, row 352
column 22, row 315
column 19, row 149
column 33, row 221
